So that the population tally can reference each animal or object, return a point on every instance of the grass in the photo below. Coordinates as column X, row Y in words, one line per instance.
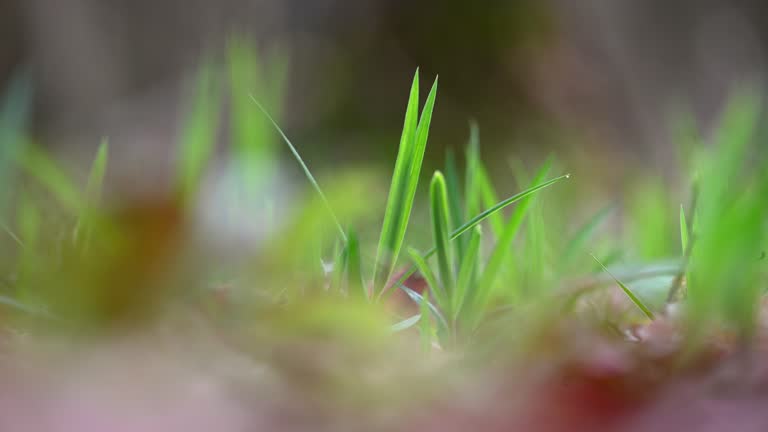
column 487, row 254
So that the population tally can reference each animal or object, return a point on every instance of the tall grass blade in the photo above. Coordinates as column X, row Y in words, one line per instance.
column 404, row 182
column 304, row 168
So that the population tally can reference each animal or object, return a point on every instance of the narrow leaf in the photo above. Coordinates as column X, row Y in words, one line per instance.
column 438, row 198
column 304, row 168
column 423, row 268
column 634, row 298
column 467, row 271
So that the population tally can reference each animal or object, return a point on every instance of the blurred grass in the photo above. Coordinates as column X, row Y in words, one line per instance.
column 111, row 264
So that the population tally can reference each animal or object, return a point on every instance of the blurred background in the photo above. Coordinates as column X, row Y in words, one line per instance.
column 582, row 78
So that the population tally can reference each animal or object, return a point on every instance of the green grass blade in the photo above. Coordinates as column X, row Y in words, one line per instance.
column 304, row 168
column 198, row 134
column 505, row 203
column 467, row 271
column 439, row 206
column 355, row 283
column 634, row 298
column 404, row 182
column 683, row 230
column 424, row 302
column 423, row 268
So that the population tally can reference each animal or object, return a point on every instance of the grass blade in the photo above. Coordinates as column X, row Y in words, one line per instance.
column 304, row 168
column 634, row 298
column 355, row 283
column 467, row 271
column 424, row 302
column 439, row 207
column 421, row 265
column 404, row 182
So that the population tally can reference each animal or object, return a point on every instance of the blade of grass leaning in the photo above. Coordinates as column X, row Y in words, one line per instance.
column 467, row 271
column 439, row 206
column 421, row 265
column 424, row 302
column 481, row 217
column 634, row 298
column 404, row 182
column 304, row 168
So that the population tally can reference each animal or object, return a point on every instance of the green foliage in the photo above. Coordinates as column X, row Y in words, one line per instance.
column 404, row 181
column 730, row 222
